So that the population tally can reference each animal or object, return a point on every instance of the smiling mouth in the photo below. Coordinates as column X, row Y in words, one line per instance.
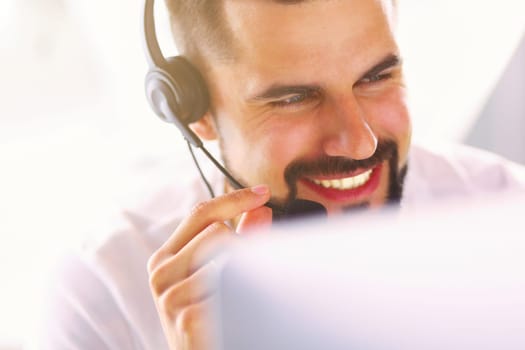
column 346, row 183
column 346, row 188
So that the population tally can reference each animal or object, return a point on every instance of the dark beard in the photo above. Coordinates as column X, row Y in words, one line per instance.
column 386, row 151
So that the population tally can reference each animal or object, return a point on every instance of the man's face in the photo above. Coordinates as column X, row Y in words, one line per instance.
column 314, row 103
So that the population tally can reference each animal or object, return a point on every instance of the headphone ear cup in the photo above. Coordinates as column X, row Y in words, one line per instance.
column 194, row 98
column 180, row 87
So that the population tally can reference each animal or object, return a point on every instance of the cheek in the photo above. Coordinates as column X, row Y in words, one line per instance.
column 389, row 118
column 261, row 152
column 276, row 143
column 284, row 136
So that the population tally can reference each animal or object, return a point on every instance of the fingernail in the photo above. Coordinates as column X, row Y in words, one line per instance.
column 260, row 190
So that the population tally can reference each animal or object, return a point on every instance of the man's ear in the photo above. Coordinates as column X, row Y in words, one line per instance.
column 205, row 127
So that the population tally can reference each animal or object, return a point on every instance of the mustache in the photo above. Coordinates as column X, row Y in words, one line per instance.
column 327, row 166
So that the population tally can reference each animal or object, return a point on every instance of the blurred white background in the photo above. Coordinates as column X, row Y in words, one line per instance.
column 77, row 135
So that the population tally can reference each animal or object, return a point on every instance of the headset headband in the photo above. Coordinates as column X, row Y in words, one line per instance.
column 151, row 45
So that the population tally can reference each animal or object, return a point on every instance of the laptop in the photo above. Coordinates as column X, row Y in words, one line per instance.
column 448, row 276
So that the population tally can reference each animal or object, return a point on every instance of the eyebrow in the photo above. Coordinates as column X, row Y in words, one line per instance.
column 277, row 91
column 389, row 61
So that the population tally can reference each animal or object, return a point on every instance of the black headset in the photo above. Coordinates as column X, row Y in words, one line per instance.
column 177, row 93
column 174, row 88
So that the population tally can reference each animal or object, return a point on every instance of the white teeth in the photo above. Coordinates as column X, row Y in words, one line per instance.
column 346, row 183
column 326, row 183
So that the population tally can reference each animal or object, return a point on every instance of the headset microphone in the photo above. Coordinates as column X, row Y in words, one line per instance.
column 177, row 93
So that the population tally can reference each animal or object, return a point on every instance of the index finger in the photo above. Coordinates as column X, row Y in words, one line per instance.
column 219, row 209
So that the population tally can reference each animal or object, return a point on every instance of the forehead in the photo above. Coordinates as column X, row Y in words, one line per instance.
column 276, row 37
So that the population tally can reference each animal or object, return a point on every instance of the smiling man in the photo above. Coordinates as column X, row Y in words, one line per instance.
column 308, row 97
column 307, row 101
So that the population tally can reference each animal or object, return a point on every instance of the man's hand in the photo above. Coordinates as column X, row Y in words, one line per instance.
column 178, row 281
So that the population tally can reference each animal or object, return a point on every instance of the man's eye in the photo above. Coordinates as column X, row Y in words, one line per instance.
column 290, row 100
column 375, row 78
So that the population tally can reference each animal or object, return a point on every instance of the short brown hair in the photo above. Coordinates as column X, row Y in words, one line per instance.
column 199, row 29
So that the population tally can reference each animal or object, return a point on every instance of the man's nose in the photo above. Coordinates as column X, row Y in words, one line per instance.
column 348, row 132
